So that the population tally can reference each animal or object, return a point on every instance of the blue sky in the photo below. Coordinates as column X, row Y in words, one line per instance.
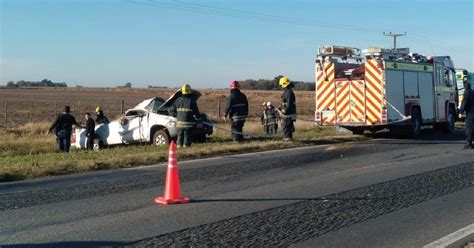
column 210, row 43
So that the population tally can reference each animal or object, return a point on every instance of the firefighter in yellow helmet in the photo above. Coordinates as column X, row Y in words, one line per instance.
column 287, row 108
column 186, row 111
column 100, row 117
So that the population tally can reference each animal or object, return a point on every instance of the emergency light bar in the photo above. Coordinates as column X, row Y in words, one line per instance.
column 339, row 51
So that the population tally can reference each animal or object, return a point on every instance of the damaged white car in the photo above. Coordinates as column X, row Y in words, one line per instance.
column 148, row 122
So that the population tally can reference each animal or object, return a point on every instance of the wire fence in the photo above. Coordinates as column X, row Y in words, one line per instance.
column 18, row 112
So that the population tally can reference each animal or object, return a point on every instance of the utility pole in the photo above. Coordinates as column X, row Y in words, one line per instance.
column 394, row 38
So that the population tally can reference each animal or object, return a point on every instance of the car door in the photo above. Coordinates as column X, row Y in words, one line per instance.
column 132, row 126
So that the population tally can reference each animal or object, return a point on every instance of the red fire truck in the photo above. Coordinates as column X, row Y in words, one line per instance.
column 384, row 88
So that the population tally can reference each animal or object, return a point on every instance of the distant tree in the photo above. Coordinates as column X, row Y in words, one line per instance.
column 42, row 83
column 128, row 85
column 11, row 84
column 265, row 84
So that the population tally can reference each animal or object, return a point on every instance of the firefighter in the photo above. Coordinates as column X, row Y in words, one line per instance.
column 101, row 118
column 186, row 111
column 90, row 131
column 467, row 106
column 263, row 117
column 272, row 119
column 63, row 124
column 287, row 109
column 236, row 109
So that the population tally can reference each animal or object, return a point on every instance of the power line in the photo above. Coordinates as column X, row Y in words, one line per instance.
column 248, row 15
column 268, row 18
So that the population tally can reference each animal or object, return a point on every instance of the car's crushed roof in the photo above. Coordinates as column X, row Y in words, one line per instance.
column 142, row 105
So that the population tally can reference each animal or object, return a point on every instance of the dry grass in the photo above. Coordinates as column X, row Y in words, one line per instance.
column 42, row 104
column 28, row 139
column 28, row 152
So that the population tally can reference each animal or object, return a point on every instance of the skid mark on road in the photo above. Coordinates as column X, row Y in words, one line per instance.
column 300, row 221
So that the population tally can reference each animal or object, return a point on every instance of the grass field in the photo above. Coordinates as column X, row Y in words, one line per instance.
column 42, row 104
column 27, row 151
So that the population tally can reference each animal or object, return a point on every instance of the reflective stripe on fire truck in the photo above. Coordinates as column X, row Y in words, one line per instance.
column 343, row 101
column 325, row 92
column 373, row 92
column 357, row 101
column 444, row 89
column 408, row 66
column 350, row 105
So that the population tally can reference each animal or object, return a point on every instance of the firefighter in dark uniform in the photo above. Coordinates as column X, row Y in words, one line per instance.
column 90, row 131
column 467, row 106
column 272, row 119
column 186, row 111
column 236, row 109
column 63, row 125
column 263, row 117
column 101, row 118
column 287, row 109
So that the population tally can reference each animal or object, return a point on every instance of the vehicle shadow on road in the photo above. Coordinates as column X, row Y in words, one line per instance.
column 428, row 136
column 73, row 244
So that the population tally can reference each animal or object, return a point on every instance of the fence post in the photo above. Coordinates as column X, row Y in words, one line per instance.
column 31, row 112
column 6, row 112
column 219, row 108
column 122, row 104
column 78, row 106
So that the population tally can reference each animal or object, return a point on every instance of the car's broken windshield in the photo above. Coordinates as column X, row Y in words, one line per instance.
column 153, row 106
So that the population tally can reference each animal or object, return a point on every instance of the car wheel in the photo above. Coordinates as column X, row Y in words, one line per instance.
column 200, row 138
column 450, row 120
column 161, row 138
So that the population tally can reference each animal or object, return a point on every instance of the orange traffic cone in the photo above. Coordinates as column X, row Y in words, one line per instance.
column 172, row 193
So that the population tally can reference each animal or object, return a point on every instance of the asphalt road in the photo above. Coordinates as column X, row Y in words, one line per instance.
column 379, row 193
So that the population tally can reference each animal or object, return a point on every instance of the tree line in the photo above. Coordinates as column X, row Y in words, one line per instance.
column 42, row 83
column 248, row 84
column 268, row 84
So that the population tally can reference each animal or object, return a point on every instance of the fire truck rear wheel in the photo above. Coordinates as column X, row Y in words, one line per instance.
column 448, row 127
column 415, row 124
column 358, row 131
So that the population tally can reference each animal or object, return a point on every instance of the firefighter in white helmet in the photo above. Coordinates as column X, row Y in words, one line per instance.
column 287, row 109
column 270, row 118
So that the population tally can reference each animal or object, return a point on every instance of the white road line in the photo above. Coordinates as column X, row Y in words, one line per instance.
column 453, row 237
